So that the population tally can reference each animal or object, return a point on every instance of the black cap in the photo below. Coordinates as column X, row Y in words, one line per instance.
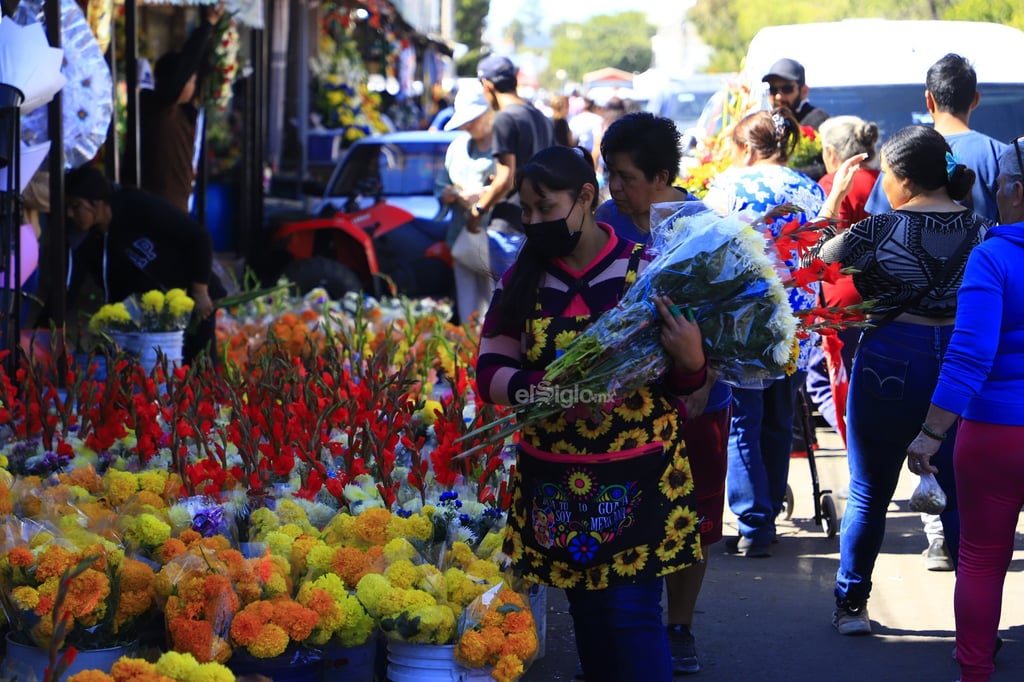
column 787, row 69
column 499, row 70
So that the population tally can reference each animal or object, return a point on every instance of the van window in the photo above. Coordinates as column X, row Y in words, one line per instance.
column 1000, row 114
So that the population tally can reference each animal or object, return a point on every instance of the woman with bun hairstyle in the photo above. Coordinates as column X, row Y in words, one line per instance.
column 910, row 261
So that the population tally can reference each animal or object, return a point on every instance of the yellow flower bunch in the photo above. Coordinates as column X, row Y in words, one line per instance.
column 162, row 312
column 407, row 614
column 112, row 317
column 342, row 617
column 171, row 665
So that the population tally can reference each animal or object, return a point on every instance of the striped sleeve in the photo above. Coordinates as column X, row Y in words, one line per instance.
column 500, row 376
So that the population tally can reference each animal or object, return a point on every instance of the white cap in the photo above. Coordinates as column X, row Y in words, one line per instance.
column 470, row 104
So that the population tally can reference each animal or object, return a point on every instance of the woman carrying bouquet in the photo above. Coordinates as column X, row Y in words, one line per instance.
column 602, row 500
column 761, row 436
column 641, row 153
column 910, row 260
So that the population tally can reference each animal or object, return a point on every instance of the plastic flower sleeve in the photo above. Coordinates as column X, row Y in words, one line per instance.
column 199, row 603
column 720, row 267
column 498, row 631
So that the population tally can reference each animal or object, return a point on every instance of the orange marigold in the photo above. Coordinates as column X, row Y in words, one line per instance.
column 471, row 649
column 189, row 537
column 53, row 561
column 350, row 564
column 518, row 621
column 172, row 547
column 21, row 557
column 126, row 668
column 245, row 627
column 91, row 676
column 297, row 620
column 371, row 526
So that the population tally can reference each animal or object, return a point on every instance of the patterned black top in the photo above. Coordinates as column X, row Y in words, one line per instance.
column 899, row 253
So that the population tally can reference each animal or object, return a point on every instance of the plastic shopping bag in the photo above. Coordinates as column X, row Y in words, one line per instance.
column 928, row 497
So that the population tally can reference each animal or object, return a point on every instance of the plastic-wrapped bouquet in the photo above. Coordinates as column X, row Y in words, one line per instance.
column 721, row 269
column 726, row 272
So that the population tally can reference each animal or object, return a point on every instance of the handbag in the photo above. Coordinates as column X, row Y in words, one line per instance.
column 471, row 250
column 943, row 279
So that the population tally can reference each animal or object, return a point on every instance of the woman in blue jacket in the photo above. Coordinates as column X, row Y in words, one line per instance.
column 982, row 384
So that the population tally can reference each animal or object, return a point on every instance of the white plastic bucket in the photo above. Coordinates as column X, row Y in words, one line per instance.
column 429, row 663
column 171, row 344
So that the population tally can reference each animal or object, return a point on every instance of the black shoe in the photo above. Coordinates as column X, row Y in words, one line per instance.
column 684, row 650
column 748, row 548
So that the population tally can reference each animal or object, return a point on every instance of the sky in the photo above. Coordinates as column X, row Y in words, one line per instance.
column 503, row 11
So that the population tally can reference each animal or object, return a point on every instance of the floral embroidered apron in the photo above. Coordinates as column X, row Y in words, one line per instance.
column 600, row 502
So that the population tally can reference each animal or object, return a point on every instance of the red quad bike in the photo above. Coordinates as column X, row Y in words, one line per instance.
column 379, row 229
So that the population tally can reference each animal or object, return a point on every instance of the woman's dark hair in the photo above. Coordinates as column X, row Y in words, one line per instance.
column 552, row 169
column 918, row 153
column 769, row 134
column 652, row 143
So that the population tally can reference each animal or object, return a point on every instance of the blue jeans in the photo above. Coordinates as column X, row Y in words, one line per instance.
column 894, row 374
column 760, row 441
column 620, row 636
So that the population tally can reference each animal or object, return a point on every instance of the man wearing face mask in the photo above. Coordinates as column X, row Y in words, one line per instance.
column 787, row 87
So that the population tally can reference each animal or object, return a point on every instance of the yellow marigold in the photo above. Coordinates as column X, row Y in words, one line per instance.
column 25, row 598
column 91, row 676
column 180, row 307
column 279, row 543
column 153, row 301
column 358, row 624
column 212, row 672
column 178, row 665
column 272, row 641
column 174, row 293
column 126, row 669
column 461, row 589
column 154, row 481
column 402, row 574
column 149, row 530
column 490, row 544
column 319, row 557
column 482, row 569
column 471, row 649
column 461, row 554
column 397, row 549
column 437, row 624
column 341, row 529
column 507, row 669
column 290, row 511
column 119, row 486
column 293, row 530
column 373, row 590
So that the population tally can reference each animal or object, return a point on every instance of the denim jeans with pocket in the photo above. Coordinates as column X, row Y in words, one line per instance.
column 620, row 636
column 760, row 440
column 894, row 375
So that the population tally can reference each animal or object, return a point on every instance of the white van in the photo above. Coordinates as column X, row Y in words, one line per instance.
column 876, row 68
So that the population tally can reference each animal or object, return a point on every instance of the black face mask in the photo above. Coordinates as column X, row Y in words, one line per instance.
column 552, row 238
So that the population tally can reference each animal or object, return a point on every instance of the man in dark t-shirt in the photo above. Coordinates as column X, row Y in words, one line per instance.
column 520, row 131
column 131, row 242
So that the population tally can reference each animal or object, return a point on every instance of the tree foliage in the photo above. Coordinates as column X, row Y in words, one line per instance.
column 727, row 26
column 470, row 22
column 621, row 40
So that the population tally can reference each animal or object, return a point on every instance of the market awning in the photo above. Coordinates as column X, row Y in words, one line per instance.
column 608, row 77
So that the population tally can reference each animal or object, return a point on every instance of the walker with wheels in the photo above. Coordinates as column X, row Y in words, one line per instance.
column 825, row 515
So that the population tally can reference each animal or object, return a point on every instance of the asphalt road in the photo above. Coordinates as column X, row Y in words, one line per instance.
column 770, row 619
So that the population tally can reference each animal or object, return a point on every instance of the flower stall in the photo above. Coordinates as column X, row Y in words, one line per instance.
column 301, row 502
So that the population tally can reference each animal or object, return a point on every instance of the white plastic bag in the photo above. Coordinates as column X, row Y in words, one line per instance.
column 928, row 497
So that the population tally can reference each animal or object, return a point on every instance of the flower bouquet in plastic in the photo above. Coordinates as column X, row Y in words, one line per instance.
column 497, row 630
column 724, row 270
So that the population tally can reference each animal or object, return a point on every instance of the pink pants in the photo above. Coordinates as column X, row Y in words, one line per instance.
column 989, row 465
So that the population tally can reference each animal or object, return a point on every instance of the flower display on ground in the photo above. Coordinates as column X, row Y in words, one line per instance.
column 498, row 631
column 171, row 665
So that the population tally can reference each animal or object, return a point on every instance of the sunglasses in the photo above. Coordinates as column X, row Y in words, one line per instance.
column 785, row 89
